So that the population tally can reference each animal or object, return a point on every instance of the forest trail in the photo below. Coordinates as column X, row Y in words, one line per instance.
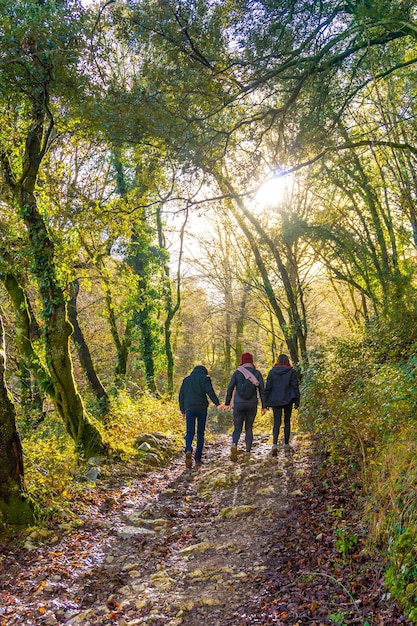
column 263, row 540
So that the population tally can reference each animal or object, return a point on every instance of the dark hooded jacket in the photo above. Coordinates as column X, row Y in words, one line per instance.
column 194, row 390
column 282, row 386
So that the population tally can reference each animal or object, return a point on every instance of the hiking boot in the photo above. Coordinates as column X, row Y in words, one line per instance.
column 287, row 447
column 274, row 451
column 199, row 462
column 233, row 453
column 188, row 460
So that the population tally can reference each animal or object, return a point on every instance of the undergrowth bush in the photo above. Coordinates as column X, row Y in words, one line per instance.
column 132, row 416
column 355, row 403
column 360, row 395
column 392, row 514
column 52, row 469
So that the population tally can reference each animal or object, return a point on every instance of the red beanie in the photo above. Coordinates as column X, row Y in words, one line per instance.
column 246, row 357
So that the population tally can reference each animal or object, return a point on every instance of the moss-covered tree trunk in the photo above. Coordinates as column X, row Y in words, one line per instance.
column 142, row 260
column 57, row 329
column 57, row 332
column 14, row 507
column 171, row 308
column 56, row 380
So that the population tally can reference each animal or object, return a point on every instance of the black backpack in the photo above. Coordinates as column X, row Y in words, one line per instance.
column 246, row 388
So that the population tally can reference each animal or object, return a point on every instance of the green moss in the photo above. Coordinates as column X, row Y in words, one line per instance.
column 17, row 511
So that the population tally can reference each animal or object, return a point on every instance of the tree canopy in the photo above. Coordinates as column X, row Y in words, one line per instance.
column 135, row 139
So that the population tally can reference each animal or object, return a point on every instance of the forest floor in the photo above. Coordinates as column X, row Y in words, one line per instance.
column 264, row 540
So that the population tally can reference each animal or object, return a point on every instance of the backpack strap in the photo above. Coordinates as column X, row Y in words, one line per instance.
column 248, row 375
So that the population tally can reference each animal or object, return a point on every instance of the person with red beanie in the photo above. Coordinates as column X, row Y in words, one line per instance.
column 247, row 384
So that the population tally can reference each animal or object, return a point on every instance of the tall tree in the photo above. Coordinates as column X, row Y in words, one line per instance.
column 39, row 52
column 171, row 302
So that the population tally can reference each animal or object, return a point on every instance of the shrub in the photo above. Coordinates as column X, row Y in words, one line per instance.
column 132, row 416
column 360, row 396
column 354, row 402
column 51, row 467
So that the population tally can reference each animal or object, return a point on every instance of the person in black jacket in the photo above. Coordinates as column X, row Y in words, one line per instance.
column 281, row 393
column 245, row 403
column 193, row 405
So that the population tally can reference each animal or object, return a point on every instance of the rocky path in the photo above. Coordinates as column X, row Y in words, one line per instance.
column 264, row 540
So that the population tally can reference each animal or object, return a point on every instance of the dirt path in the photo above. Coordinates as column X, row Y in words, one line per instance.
column 252, row 542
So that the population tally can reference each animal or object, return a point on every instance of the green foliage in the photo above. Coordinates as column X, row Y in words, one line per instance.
column 34, row 34
column 360, row 395
column 338, row 618
column 52, row 471
column 129, row 417
column 50, row 465
column 344, row 541
column 392, row 514
column 401, row 575
column 355, row 402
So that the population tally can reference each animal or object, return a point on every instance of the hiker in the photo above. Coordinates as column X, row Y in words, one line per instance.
column 193, row 405
column 247, row 384
column 281, row 394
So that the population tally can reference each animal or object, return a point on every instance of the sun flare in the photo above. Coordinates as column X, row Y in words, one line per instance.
column 273, row 191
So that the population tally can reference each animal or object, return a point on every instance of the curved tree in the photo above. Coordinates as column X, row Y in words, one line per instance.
column 39, row 47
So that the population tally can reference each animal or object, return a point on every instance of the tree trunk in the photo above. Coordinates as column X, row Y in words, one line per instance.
column 240, row 324
column 57, row 381
column 58, row 330
column 14, row 507
column 292, row 327
column 170, row 308
column 21, row 175
column 65, row 395
column 142, row 317
column 141, row 320
column 83, row 351
column 23, row 334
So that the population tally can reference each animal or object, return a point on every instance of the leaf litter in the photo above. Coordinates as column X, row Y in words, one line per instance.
column 264, row 540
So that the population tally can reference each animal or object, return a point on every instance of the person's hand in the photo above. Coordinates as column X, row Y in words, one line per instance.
column 264, row 411
column 226, row 407
column 183, row 414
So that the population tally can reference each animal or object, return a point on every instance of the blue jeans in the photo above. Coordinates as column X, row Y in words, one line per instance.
column 244, row 416
column 191, row 416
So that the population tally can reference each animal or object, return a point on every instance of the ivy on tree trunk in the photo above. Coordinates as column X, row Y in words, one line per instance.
column 14, row 507
column 57, row 329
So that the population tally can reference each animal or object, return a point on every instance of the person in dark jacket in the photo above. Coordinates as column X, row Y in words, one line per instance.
column 244, row 408
column 281, row 394
column 193, row 405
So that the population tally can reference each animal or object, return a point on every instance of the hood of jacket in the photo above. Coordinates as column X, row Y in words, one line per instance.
column 200, row 369
column 281, row 370
column 282, row 386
